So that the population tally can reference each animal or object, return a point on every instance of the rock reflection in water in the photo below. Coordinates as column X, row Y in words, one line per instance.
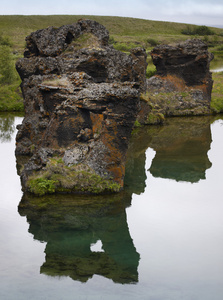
column 181, row 149
column 70, row 224
column 135, row 173
column 7, row 126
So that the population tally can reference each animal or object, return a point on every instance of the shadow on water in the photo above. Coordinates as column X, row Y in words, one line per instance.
column 70, row 224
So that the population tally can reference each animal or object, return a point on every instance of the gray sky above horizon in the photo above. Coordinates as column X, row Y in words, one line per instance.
column 201, row 12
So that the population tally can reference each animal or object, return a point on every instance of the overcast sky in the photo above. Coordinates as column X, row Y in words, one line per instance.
column 202, row 12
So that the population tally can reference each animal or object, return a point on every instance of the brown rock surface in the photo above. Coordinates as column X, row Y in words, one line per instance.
column 81, row 100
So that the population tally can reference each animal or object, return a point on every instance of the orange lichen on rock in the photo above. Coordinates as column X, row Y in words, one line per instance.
column 97, row 123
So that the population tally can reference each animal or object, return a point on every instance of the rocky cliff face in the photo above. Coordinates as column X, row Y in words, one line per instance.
column 81, row 100
column 182, row 84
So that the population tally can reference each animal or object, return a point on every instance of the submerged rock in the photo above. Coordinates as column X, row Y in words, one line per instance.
column 81, row 100
column 182, row 84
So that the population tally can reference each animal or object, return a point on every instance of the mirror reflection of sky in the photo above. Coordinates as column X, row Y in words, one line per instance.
column 202, row 12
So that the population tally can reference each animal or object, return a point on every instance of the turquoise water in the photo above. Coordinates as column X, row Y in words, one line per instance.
column 161, row 238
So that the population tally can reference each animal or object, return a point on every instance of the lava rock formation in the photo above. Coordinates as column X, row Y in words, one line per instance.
column 81, row 99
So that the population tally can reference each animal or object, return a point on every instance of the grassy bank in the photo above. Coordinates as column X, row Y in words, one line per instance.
column 122, row 30
column 217, row 93
column 10, row 97
column 125, row 34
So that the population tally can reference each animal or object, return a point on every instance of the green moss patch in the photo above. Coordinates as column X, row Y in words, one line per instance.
column 41, row 186
column 155, row 118
column 167, row 104
column 57, row 177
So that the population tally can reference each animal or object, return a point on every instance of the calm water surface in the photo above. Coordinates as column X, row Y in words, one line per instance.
column 160, row 239
column 216, row 64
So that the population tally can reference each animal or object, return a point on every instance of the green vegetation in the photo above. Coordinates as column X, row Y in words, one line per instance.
column 122, row 30
column 125, row 34
column 150, row 70
column 217, row 93
column 41, row 186
column 155, row 118
column 152, row 42
column 57, row 177
column 10, row 98
column 197, row 30
column 156, row 105
column 137, row 124
column 163, row 104
column 7, row 74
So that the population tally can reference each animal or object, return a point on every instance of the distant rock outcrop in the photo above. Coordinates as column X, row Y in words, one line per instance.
column 81, row 100
column 182, row 84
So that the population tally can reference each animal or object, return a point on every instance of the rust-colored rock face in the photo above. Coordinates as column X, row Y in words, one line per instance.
column 81, row 100
column 182, row 84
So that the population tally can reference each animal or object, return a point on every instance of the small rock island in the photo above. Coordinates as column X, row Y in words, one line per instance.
column 182, row 84
column 81, row 99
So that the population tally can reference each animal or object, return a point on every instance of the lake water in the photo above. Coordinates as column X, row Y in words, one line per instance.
column 220, row 69
column 216, row 64
column 159, row 239
column 217, row 70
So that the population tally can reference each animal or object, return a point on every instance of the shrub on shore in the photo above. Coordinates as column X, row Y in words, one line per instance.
column 10, row 95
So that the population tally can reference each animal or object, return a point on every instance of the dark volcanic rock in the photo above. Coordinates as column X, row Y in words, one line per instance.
column 182, row 84
column 189, row 60
column 53, row 41
column 81, row 99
